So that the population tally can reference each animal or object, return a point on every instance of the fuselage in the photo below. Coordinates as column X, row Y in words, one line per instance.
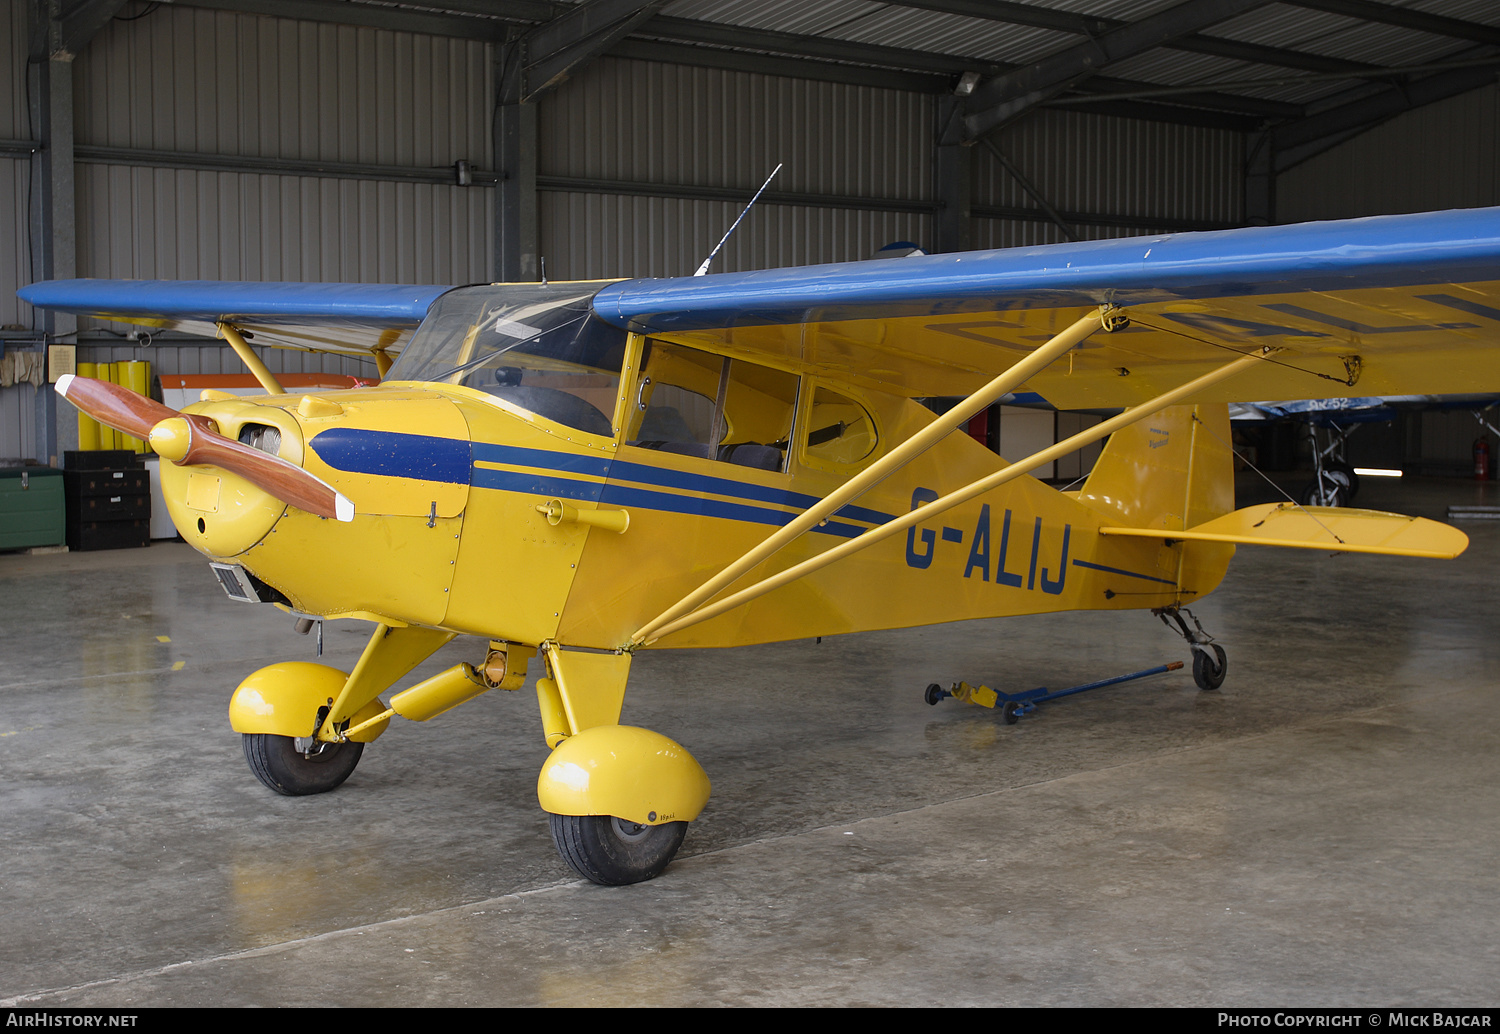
column 449, row 485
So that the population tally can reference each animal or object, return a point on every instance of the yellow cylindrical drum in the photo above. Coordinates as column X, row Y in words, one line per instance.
column 443, row 692
column 88, row 427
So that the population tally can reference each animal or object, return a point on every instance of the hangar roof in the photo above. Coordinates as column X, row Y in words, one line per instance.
column 1324, row 66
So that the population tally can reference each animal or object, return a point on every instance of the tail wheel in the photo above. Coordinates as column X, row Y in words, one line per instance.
column 290, row 767
column 1209, row 672
column 615, row 852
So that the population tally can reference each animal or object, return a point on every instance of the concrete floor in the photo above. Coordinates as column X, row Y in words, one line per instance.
column 1321, row 832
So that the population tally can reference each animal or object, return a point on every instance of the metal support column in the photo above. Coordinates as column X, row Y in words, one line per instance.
column 1260, row 179
column 515, row 136
column 49, row 89
column 952, row 179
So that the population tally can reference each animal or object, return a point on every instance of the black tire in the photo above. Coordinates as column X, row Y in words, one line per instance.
column 281, row 766
column 615, row 852
column 1011, row 712
column 1334, row 488
column 1210, row 674
column 934, row 693
column 1347, row 474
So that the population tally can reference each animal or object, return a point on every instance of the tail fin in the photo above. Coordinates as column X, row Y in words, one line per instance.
column 1172, row 471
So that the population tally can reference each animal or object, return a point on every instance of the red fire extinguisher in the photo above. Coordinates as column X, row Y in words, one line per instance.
column 1481, row 459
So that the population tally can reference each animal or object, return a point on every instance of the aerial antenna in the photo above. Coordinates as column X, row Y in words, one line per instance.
column 704, row 268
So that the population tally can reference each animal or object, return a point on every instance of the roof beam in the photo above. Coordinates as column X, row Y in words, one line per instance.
column 1089, row 25
column 83, row 20
column 1298, row 141
column 397, row 19
column 678, row 41
column 1406, row 17
column 1009, row 96
column 555, row 49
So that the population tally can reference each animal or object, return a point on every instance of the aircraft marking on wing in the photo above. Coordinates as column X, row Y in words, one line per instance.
column 1362, row 328
column 1231, row 327
column 1463, row 305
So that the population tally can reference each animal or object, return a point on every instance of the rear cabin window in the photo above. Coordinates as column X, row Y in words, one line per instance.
column 840, row 432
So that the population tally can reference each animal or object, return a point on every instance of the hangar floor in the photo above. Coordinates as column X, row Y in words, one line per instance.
column 1322, row 831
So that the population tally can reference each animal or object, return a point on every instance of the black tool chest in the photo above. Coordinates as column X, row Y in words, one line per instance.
column 110, row 507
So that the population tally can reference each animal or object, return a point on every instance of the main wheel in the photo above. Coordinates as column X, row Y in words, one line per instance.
column 282, row 765
column 615, row 852
column 1209, row 674
column 1335, row 487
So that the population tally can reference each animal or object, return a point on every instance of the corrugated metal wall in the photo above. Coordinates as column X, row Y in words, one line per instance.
column 1089, row 163
column 191, row 80
column 1444, row 155
column 15, row 172
column 643, row 122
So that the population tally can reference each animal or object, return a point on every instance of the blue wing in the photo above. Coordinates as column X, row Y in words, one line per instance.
column 322, row 317
column 1388, row 305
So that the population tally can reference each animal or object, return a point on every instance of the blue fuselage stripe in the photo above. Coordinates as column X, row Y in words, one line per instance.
column 1127, row 574
column 624, row 470
column 455, row 461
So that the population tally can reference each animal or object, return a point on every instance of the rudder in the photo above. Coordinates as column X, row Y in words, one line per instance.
column 1173, row 470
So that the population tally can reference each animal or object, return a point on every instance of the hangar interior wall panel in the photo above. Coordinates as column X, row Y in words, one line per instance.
column 648, row 123
column 586, row 236
column 17, row 422
column 15, row 173
column 198, row 81
column 1089, row 163
column 655, row 123
column 151, row 223
column 15, row 236
column 15, row 121
column 189, row 79
column 1443, row 155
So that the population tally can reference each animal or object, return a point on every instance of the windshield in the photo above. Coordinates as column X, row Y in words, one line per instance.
column 537, row 346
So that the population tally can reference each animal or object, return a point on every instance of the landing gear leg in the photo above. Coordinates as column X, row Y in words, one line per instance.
column 619, row 798
column 1210, row 663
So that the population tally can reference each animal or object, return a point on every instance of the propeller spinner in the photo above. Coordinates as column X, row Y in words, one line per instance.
column 190, row 440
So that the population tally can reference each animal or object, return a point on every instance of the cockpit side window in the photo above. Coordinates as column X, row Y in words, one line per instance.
column 694, row 403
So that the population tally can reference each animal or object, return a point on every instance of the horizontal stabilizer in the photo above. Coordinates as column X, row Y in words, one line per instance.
column 1338, row 529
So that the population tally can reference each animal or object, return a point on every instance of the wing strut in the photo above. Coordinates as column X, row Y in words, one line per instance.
column 247, row 354
column 957, row 497
column 894, row 460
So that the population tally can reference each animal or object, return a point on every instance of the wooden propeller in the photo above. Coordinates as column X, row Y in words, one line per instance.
column 190, row 440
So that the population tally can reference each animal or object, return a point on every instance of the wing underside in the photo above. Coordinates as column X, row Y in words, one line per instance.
column 351, row 319
column 1381, row 306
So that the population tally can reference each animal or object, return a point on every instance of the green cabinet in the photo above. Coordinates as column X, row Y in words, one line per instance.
column 31, row 507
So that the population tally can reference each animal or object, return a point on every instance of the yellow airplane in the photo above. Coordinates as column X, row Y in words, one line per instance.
column 576, row 471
